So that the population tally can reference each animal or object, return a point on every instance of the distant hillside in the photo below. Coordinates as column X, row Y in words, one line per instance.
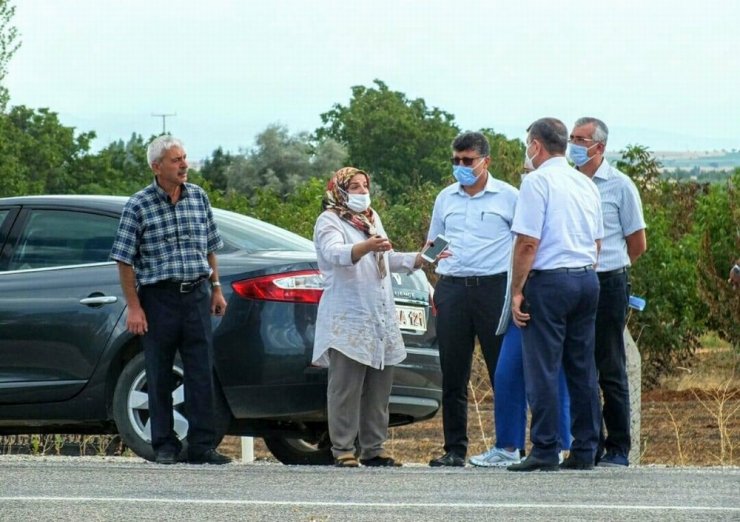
column 694, row 161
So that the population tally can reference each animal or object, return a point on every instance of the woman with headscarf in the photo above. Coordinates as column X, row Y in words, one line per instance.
column 357, row 331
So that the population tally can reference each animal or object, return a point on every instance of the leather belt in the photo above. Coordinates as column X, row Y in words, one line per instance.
column 610, row 273
column 183, row 287
column 565, row 270
column 472, row 280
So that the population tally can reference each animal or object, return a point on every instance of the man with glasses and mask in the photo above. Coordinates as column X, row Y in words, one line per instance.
column 554, row 297
column 475, row 216
column 624, row 241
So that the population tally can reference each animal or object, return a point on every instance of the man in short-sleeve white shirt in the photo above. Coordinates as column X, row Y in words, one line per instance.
column 555, row 293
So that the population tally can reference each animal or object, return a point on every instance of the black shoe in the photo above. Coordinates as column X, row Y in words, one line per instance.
column 573, row 463
column 381, row 461
column 165, row 457
column 614, row 459
column 210, row 456
column 448, row 459
column 534, row 464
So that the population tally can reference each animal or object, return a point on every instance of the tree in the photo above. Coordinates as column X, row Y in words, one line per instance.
column 119, row 168
column 507, row 157
column 716, row 225
column 9, row 44
column 668, row 330
column 400, row 142
column 38, row 154
column 214, row 169
column 280, row 162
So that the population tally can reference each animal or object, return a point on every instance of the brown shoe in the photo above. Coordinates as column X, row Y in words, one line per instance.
column 348, row 460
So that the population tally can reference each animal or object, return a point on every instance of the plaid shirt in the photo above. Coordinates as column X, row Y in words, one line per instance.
column 164, row 241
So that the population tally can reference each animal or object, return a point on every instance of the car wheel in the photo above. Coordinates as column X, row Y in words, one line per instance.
column 131, row 408
column 302, row 452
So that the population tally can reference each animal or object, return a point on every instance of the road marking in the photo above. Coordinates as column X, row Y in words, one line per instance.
column 472, row 505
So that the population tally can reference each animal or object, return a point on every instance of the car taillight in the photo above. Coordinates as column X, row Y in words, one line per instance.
column 294, row 287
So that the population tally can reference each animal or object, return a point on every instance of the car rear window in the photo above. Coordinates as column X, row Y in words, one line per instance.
column 244, row 233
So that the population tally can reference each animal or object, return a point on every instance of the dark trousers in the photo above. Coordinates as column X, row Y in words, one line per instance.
column 464, row 313
column 179, row 322
column 562, row 307
column 611, row 362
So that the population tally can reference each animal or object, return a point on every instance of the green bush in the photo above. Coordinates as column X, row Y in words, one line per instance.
column 716, row 227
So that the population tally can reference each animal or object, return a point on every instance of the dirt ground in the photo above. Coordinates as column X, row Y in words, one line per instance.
column 678, row 429
column 692, row 419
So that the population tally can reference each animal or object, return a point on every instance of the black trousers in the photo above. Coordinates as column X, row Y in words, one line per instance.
column 465, row 312
column 611, row 362
column 179, row 322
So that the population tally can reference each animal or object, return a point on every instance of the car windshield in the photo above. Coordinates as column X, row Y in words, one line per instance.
column 244, row 233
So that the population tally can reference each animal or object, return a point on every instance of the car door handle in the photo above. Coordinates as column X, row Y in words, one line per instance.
column 99, row 300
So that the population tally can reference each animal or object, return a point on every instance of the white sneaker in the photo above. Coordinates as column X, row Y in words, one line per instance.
column 496, row 457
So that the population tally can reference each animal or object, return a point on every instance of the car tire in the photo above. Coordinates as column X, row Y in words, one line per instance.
column 301, row 452
column 131, row 413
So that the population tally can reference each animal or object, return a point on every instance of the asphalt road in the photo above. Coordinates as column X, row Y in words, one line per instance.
column 110, row 488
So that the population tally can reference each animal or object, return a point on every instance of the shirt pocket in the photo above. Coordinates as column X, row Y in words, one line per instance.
column 493, row 225
column 454, row 222
column 198, row 233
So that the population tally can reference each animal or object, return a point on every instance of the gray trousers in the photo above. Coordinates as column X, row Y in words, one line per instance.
column 357, row 402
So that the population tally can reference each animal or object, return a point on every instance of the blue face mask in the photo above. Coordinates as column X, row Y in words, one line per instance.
column 578, row 154
column 465, row 175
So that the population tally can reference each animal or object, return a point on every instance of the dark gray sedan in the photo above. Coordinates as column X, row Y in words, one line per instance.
column 68, row 365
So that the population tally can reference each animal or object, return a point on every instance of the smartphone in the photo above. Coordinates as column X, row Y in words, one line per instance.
column 438, row 246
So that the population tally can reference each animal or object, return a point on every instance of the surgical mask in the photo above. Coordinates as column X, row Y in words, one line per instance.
column 528, row 165
column 357, row 202
column 465, row 175
column 578, row 154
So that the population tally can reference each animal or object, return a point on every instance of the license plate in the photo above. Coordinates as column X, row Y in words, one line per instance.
column 412, row 318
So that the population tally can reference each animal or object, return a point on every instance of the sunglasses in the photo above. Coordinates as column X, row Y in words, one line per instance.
column 465, row 161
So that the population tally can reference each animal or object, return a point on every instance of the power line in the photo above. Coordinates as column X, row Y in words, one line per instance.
column 164, row 120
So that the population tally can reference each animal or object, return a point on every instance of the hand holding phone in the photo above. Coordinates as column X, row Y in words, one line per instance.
column 437, row 246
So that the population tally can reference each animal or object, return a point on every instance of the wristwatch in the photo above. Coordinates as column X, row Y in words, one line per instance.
column 214, row 284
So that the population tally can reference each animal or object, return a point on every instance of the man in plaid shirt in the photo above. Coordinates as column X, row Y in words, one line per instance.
column 166, row 245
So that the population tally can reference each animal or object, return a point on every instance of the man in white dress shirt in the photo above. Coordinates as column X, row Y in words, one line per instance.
column 475, row 215
column 555, row 293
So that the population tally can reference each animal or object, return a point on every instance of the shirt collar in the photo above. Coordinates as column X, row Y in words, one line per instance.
column 555, row 160
column 490, row 186
column 603, row 171
column 166, row 197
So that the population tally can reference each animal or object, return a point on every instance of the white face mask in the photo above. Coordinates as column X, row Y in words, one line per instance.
column 358, row 202
column 528, row 165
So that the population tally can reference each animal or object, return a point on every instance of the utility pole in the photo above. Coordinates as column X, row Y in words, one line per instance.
column 164, row 120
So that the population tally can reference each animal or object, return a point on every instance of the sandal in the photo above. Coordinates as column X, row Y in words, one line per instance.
column 348, row 460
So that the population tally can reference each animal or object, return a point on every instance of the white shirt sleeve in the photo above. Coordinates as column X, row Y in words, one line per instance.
column 329, row 238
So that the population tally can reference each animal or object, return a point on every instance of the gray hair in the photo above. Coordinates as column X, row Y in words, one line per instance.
column 159, row 145
column 472, row 141
column 552, row 133
column 601, row 131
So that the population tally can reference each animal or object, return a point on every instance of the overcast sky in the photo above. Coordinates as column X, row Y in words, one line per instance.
column 661, row 73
